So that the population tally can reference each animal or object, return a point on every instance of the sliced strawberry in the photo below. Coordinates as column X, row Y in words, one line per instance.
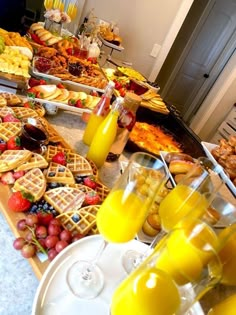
column 19, row 201
column 60, row 158
column 18, row 174
column 92, row 198
column 71, row 102
column 60, row 86
column 8, row 178
column 90, row 182
column 29, row 104
column 42, row 82
column 10, row 118
column 79, row 104
column 14, row 143
column 33, row 82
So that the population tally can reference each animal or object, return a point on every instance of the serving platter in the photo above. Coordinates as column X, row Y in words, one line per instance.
column 208, row 147
column 53, row 295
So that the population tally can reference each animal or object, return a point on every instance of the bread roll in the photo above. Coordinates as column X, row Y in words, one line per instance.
column 152, row 225
column 180, row 166
column 36, row 26
column 172, row 156
column 46, row 36
column 53, row 40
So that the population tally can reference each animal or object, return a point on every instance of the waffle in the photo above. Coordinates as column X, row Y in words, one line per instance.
column 3, row 101
column 64, row 199
column 36, row 160
column 10, row 159
column 32, row 182
column 57, row 173
column 9, row 129
column 11, row 99
column 53, row 150
column 24, row 112
column 81, row 221
column 78, row 164
column 94, row 168
column 92, row 210
column 5, row 110
column 40, row 110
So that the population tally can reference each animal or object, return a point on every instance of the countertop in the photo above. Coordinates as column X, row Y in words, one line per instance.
column 18, row 283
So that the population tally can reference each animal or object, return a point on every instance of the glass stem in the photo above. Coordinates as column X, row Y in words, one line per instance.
column 99, row 252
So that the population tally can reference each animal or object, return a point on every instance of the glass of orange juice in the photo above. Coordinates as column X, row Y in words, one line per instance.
column 174, row 276
column 120, row 217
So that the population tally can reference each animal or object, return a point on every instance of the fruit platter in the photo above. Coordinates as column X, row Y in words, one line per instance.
column 48, row 193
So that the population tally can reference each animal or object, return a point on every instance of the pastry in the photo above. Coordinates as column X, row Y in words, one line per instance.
column 152, row 225
column 64, row 199
column 3, row 101
column 11, row 99
column 33, row 182
column 181, row 167
column 57, row 173
column 10, row 159
column 9, row 129
column 36, row 160
column 172, row 156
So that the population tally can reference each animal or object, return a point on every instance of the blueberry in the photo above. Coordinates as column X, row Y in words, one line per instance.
column 53, row 185
column 51, row 174
column 79, row 179
column 61, row 169
column 45, row 206
column 76, row 218
column 34, row 208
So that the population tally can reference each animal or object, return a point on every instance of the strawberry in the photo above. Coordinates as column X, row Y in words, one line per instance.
column 60, row 158
column 92, row 198
column 10, row 118
column 42, row 82
column 14, row 143
column 44, row 217
column 90, row 182
column 33, row 82
column 94, row 93
column 29, row 104
column 7, row 178
column 18, row 174
column 79, row 104
column 20, row 201
column 71, row 102
column 3, row 145
column 60, row 86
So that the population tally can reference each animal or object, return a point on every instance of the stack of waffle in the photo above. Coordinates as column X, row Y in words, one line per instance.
column 153, row 101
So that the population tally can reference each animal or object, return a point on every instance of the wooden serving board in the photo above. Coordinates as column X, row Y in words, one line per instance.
column 13, row 217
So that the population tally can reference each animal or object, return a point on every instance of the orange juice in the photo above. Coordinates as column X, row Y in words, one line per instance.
column 186, row 253
column 181, row 201
column 146, row 292
column 120, row 216
column 91, row 128
column 226, row 307
column 228, row 255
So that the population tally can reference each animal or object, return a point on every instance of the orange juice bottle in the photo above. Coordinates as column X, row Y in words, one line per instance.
column 105, row 135
column 99, row 114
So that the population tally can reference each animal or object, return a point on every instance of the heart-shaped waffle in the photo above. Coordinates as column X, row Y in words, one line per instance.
column 64, row 199
column 32, row 182
column 101, row 190
column 24, row 112
column 11, row 99
column 57, row 173
column 81, row 221
column 10, row 159
column 36, row 160
column 9, row 129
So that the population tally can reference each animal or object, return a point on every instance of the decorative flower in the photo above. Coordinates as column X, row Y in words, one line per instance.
column 57, row 16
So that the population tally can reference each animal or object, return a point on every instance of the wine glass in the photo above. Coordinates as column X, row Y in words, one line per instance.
column 175, row 276
column 119, row 218
column 191, row 196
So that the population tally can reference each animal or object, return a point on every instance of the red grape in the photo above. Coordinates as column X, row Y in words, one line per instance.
column 19, row 243
column 54, row 229
column 31, row 219
column 41, row 231
column 29, row 236
column 52, row 253
column 55, row 221
column 21, row 225
column 65, row 235
column 51, row 241
column 28, row 250
column 60, row 246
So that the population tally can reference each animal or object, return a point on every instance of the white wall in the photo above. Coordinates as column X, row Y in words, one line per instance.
column 217, row 104
column 142, row 23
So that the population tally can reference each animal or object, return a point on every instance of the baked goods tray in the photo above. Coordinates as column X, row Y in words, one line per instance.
column 69, row 84
column 62, row 106
column 208, row 147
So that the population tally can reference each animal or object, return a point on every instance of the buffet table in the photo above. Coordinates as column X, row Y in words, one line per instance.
column 18, row 281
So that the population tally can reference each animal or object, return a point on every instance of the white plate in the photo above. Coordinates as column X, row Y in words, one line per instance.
column 208, row 147
column 62, row 106
column 53, row 296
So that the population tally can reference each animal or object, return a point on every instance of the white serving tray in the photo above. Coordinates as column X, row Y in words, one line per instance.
column 208, row 147
column 53, row 296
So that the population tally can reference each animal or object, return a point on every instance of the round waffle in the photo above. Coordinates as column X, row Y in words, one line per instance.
column 32, row 182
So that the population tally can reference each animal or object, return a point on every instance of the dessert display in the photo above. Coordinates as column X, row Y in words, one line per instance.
column 108, row 35
column 153, row 139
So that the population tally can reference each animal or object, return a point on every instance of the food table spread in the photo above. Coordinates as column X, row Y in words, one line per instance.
column 18, row 280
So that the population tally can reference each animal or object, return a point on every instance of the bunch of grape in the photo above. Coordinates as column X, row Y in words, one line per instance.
column 42, row 234
column 2, row 44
